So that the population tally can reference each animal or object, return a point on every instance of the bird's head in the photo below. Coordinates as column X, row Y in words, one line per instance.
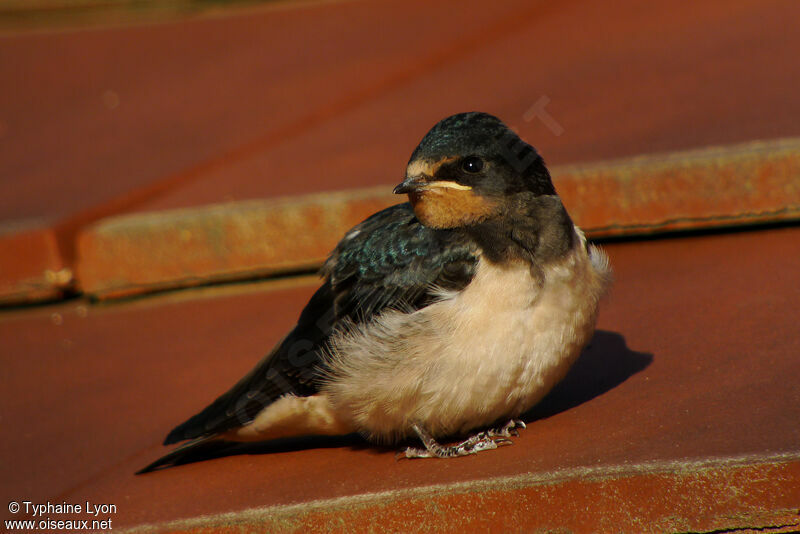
column 468, row 168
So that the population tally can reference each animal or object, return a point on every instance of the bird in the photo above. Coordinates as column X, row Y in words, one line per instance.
column 447, row 316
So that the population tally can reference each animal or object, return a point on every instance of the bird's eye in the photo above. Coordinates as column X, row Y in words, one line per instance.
column 472, row 164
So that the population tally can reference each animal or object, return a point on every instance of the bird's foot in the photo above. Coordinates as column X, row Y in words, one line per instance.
column 482, row 441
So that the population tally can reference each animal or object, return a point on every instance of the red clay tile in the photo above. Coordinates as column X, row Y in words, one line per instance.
column 676, row 497
column 722, row 186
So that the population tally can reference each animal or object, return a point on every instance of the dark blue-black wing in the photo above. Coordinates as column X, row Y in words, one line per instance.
column 392, row 261
column 389, row 261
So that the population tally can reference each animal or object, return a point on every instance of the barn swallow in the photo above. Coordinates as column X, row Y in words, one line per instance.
column 446, row 315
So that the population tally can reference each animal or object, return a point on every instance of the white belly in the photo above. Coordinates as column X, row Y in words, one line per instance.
column 486, row 353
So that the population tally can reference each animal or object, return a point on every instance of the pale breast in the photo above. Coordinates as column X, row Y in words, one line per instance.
column 488, row 352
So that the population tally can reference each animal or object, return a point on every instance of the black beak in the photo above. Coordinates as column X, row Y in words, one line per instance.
column 409, row 185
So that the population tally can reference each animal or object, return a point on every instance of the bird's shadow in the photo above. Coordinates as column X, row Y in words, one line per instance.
column 603, row 365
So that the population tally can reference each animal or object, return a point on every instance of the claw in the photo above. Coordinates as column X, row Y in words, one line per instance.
column 508, row 430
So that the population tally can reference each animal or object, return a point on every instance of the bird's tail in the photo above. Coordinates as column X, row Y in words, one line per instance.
column 197, row 449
